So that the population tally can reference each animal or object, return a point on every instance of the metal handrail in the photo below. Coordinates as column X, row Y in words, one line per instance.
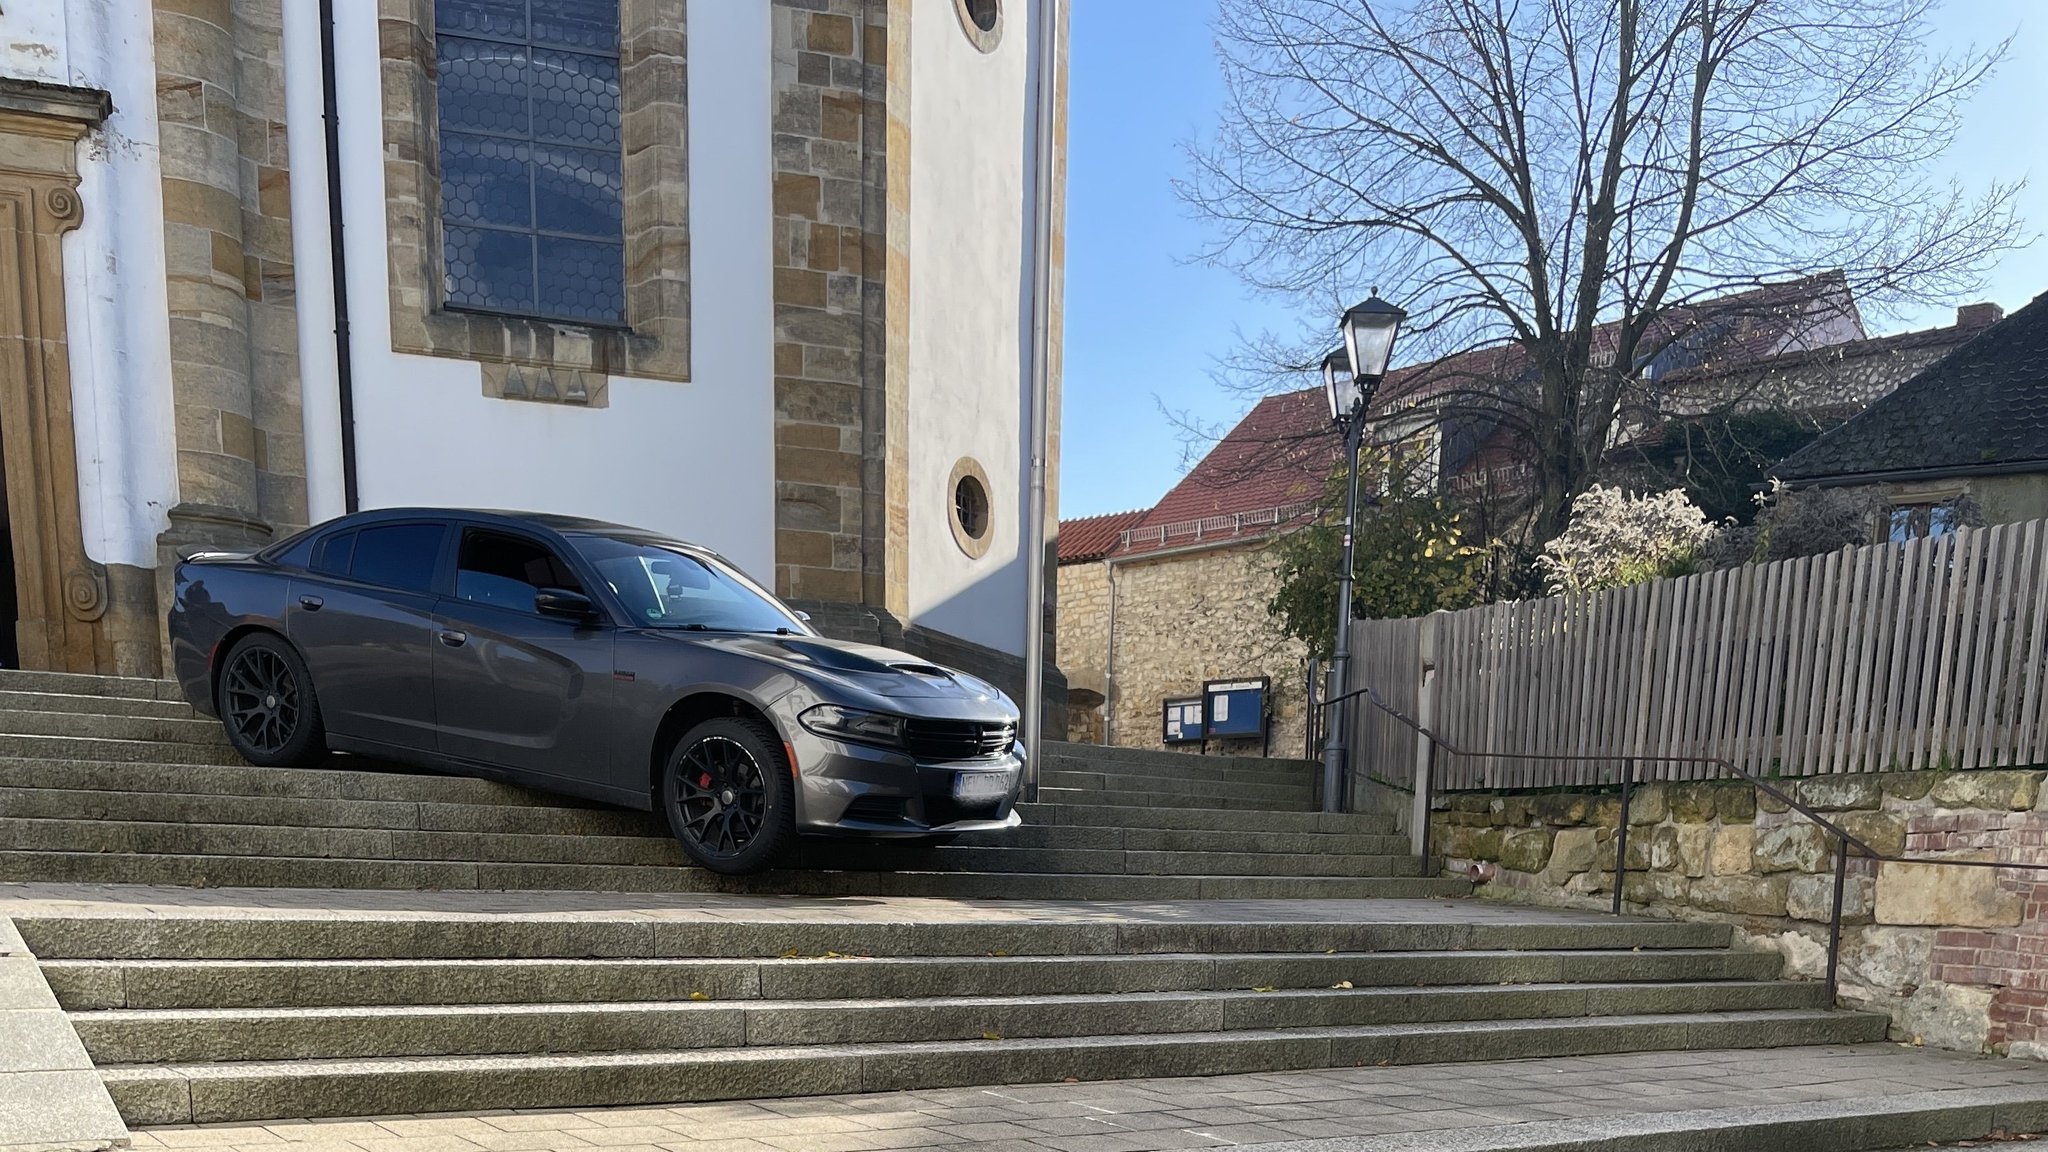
column 1844, row 840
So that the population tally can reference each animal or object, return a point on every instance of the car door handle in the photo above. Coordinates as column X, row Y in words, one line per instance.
column 311, row 603
column 454, row 639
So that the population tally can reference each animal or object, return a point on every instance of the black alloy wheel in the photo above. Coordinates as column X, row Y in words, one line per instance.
column 728, row 797
column 267, row 704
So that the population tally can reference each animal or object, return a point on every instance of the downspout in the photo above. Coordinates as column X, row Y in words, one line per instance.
column 1109, row 659
column 1045, row 39
column 343, row 369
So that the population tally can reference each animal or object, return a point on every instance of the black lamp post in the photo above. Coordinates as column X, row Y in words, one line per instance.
column 1350, row 376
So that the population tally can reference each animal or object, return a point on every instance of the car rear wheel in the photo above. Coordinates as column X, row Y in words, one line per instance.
column 267, row 704
column 727, row 793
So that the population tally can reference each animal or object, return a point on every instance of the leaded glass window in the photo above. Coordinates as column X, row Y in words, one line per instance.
column 532, row 200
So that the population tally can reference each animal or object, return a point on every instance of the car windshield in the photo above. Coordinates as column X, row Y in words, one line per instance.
column 667, row 587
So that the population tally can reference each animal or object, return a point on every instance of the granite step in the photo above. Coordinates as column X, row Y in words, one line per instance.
column 93, row 832
column 245, row 1090
column 112, row 750
column 229, row 871
column 164, row 984
column 160, row 730
column 332, row 934
column 15, row 700
column 75, row 684
column 217, row 1035
column 44, row 803
column 1050, row 810
column 1138, row 798
column 1274, row 795
column 1195, row 769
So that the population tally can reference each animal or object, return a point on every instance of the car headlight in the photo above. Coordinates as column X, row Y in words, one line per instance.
column 854, row 724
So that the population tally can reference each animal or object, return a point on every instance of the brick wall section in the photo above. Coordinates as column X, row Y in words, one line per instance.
column 831, row 183
column 2013, row 962
column 228, row 258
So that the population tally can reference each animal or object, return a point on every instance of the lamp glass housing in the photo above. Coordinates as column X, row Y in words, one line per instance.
column 1337, row 383
column 1369, row 331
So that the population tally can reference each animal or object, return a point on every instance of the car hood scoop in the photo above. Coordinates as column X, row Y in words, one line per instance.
column 884, row 671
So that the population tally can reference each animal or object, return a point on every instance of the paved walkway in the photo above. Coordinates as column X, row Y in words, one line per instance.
column 1445, row 1106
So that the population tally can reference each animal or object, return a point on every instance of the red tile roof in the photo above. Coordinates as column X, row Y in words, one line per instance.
column 1093, row 537
column 1269, row 470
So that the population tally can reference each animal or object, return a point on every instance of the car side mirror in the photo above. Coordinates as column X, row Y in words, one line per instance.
column 804, row 616
column 564, row 603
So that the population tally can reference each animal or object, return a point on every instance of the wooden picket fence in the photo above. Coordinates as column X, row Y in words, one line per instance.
column 1924, row 654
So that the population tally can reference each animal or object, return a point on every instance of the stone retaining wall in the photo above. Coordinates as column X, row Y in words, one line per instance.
column 1957, row 956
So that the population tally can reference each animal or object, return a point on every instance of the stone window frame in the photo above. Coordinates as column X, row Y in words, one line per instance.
column 974, row 546
column 525, row 358
column 984, row 41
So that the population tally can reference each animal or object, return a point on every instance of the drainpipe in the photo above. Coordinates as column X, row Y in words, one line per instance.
column 1109, row 659
column 343, row 368
column 1045, row 39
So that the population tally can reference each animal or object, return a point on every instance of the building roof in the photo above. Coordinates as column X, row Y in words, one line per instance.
column 1093, row 537
column 1984, row 405
column 1269, row 470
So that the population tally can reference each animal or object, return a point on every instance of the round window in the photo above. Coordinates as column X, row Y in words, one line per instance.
column 968, row 490
column 970, row 507
column 982, row 20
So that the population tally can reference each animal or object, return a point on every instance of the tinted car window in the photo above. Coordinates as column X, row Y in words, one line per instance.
column 400, row 556
column 332, row 554
column 505, row 571
column 296, row 554
column 671, row 588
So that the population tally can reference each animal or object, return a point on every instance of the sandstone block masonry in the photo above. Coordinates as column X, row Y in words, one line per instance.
column 1142, row 630
column 1957, row 955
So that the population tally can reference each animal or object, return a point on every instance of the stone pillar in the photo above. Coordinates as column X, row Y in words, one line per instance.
column 841, row 488
column 228, row 260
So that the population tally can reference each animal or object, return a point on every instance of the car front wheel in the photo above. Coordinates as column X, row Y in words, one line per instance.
column 727, row 793
column 267, row 704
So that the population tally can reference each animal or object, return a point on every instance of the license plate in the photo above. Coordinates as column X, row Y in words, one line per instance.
column 981, row 786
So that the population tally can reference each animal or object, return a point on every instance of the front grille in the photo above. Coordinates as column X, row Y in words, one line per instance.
column 958, row 739
column 876, row 809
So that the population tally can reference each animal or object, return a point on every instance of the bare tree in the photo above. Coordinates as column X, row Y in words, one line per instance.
column 1566, row 181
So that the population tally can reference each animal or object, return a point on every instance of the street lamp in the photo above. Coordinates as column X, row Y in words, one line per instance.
column 1350, row 376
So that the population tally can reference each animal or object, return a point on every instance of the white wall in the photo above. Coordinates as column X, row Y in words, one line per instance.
column 114, row 295
column 695, row 459
column 970, row 212
column 313, row 262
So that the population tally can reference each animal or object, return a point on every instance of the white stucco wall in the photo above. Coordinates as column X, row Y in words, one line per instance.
column 114, row 294
column 970, row 297
column 695, row 459
column 313, row 263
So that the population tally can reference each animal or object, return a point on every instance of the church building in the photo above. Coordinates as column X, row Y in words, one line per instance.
column 781, row 277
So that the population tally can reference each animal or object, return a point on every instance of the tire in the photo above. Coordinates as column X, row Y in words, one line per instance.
column 267, row 704
column 727, row 793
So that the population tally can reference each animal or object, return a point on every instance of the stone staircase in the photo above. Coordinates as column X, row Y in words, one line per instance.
column 549, row 962
column 107, row 780
column 199, row 1019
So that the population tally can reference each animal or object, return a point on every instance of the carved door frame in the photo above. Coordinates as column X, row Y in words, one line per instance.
column 60, row 593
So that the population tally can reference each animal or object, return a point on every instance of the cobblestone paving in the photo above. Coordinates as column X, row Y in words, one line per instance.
column 1348, row 1106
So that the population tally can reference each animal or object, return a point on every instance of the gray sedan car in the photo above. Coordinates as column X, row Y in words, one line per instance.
column 589, row 659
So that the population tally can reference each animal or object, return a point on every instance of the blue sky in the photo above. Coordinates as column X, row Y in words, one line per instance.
column 1145, row 325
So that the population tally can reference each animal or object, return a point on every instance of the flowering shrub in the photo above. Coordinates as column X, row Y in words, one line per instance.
column 1615, row 539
